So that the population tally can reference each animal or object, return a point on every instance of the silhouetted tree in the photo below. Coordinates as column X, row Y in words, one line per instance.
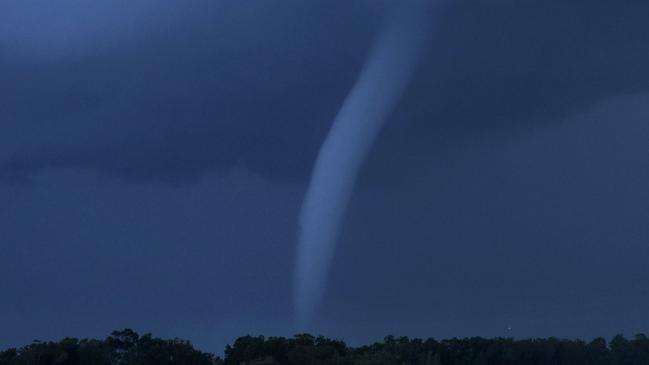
column 123, row 347
column 126, row 347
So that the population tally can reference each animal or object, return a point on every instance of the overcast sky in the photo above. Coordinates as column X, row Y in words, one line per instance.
column 154, row 157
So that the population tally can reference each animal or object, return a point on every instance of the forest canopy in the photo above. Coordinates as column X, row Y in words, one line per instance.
column 127, row 347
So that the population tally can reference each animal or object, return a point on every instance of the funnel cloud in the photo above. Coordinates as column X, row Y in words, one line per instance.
column 379, row 87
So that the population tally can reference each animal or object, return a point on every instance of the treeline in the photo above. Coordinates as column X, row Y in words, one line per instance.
column 128, row 348
column 121, row 348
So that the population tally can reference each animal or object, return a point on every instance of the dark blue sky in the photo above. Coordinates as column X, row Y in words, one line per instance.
column 153, row 159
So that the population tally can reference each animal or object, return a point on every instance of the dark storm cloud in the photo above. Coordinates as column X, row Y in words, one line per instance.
column 545, row 232
column 256, row 84
column 513, row 174
column 243, row 87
